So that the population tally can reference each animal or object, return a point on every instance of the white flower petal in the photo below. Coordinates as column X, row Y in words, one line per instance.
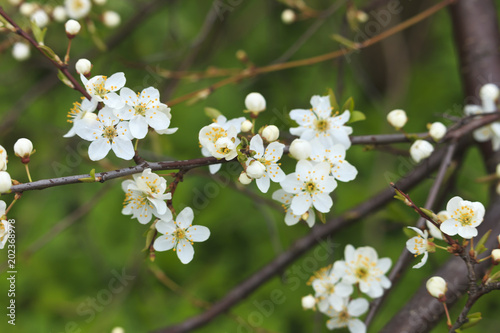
column 198, row 233
column 185, row 251
column 185, row 218
column 123, row 148
column 98, row 149
column 138, row 127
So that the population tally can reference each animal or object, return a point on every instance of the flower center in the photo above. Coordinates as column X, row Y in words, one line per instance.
column 310, row 187
column 78, row 4
column 75, row 112
column 99, row 89
column 180, row 233
column 109, row 132
column 330, row 288
column 343, row 316
column 321, row 125
column 361, row 273
column 465, row 215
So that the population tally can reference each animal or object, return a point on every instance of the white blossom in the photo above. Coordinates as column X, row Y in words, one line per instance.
column 180, row 234
column 420, row 150
column 23, row 148
column 3, row 159
column 5, row 182
column 362, row 266
column 419, row 245
column 495, row 255
column 270, row 133
column 330, row 291
column 27, row 8
column 489, row 96
column 145, row 196
column 77, row 112
column 269, row 161
column 40, row 18
column 142, row 110
column 77, row 9
column 346, row 317
column 255, row 102
column 397, row 118
column 300, row 149
column 219, row 142
column 20, row 51
column 288, row 16
column 83, row 66
column 246, row 126
column 103, row 89
column 308, row 302
column 59, row 14
column 320, row 122
column 111, row 18
column 5, row 226
column 72, row 28
column 436, row 286
column 335, row 156
column 437, row 131
column 311, row 185
column 106, row 133
column 223, row 122
column 465, row 216
column 290, row 218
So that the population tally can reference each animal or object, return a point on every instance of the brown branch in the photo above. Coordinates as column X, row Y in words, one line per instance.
column 57, row 63
column 318, row 233
column 251, row 72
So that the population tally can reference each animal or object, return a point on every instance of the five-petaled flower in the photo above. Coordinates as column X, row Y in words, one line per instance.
column 269, row 159
column 180, row 234
column 219, row 142
column 340, row 168
column 319, row 122
column 311, row 185
column 290, row 218
column 465, row 216
column 145, row 196
column 106, row 132
column 103, row 89
column 143, row 109
column 362, row 266
column 420, row 245
column 346, row 317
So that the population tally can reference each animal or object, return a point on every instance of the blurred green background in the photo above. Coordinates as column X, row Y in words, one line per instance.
column 73, row 240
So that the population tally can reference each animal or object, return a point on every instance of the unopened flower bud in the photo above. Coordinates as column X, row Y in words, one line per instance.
column 27, row 9
column 437, row 131
column 308, row 302
column 72, row 28
column 436, row 286
column 40, row 18
column 118, row 329
column 489, row 91
column 288, row 16
column 244, row 179
column 5, row 182
column 420, row 150
column 362, row 16
column 23, row 148
column 15, row 2
column 83, row 66
column 59, row 14
column 256, row 170
column 246, row 126
column 100, row 2
column 271, row 133
column 305, row 216
column 20, row 51
column 397, row 118
column 255, row 103
column 300, row 149
column 495, row 256
column 111, row 19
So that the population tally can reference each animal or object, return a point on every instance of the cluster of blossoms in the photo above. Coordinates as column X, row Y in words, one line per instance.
column 23, row 148
column 334, row 287
column 145, row 198
column 461, row 217
column 42, row 15
column 320, row 152
column 124, row 116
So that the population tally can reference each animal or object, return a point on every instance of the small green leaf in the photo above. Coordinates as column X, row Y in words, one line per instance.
column 149, row 238
column 356, row 116
column 90, row 179
column 474, row 318
column 38, row 33
column 348, row 105
column 429, row 213
column 64, row 79
column 344, row 41
column 212, row 113
column 480, row 245
column 322, row 217
column 333, row 100
column 50, row 53
column 352, row 19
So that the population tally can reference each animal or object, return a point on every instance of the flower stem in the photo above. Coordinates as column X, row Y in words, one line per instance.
column 136, row 144
column 448, row 320
column 66, row 57
column 28, row 172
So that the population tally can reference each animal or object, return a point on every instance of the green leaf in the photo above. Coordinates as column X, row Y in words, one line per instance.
column 356, row 116
column 344, row 41
column 352, row 19
column 38, row 33
column 212, row 113
column 50, row 53
column 429, row 213
column 65, row 80
column 322, row 217
column 474, row 318
column 480, row 245
column 348, row 105
column 149, row 238
column 333, row 100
